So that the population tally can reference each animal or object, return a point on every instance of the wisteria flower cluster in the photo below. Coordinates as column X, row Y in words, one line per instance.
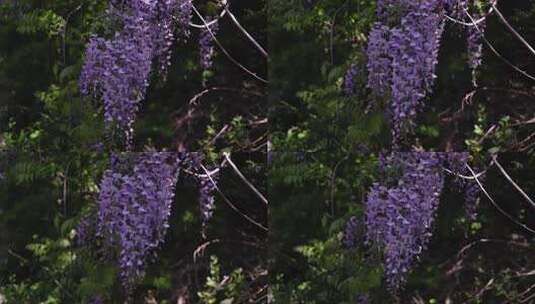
column 118, row 68
column 363, row 299
column 96, row 300
column 464, row 182
column 206, row 43
column 134, row 205
column 353, row 233
column 349, row 86
column 460, row 9
column 134, row 209
column 403, row 52
column 475, row 46
column 402, row 57
column 207, row 188
column 400, row 210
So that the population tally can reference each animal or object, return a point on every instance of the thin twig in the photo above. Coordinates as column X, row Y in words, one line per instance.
column 484, row 289
column 256, row 44
column 18, row 256
column 464, row 176
column 262, row 197
column 199, row 251
column 525, row 274
column 454, row 20
column 512, row 30
column 231, row 205
column 219, row 134
column 215, row 89
column 224, row 50
column 525, row 143
column 495, row 160
column 495, row 204
column 528, row 298
column 496, row 52
column 207, row 25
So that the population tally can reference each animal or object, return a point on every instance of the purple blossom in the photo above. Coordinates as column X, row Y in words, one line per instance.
column 165, row 26
column 97, row 147
column 184, row 15
column 402, row 60
column 468, row 187
column 207, row 188
column 349, row 86
column 379, row 60
column 134, row 206
column 459, row 10
column 96, row 300
column 456, row 8
column 402, row 52
column 85, row 231
column 353, row 233
column 363, row 299
column 118, row 69
column 206, row 41
column 414, row 47
column 400, row 209
column 475, row 46
column 399, row 217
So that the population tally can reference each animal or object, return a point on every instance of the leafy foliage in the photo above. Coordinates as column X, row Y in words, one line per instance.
column 55, row 150
column 327, row 145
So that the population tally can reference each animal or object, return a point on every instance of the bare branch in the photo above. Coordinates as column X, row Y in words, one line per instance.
column 224, row 50
column 470, row 24
column 512, row 30
column 493, row 49
column 262, row 197
column 199, row 251
column 502, row 170
column 465, row 176
column 207, row 25
column 231, row 205
column 496, row 205
column 256, row 44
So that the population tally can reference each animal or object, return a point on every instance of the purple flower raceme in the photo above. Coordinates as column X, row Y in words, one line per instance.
column 184, row 15
column 414, row 48
column 379, row 60
column 207, row 188
column 134, row 210
column 464, row 183
column 349, row 86
column 206, row 44
column 85, row 232
column 96, row 300
column 400, row 210
column 402, row 51
column 134, row 205
column 164, row 36
column 475, row 46
column 118, row 69
column 206, row 180
column 402, row 58
column 353, row 233
column 363, row 299
column 460, row 9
